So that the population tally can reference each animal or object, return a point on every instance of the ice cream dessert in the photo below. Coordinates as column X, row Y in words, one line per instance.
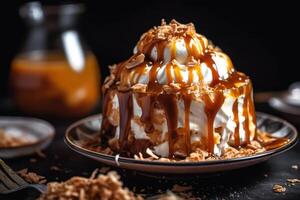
column 178, row 93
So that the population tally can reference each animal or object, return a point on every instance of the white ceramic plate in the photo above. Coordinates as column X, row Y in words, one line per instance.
column 273, row 125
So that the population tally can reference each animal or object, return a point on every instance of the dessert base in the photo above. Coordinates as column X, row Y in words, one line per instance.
column 263, row 142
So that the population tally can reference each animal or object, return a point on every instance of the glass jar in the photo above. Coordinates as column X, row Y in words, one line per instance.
column 54, row 74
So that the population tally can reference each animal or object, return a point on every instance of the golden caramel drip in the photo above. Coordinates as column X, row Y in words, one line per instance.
column 187, row 105
column 236, row 120
column 169, row 103
column 245, row 114
column 211, row 109
column 125, row 112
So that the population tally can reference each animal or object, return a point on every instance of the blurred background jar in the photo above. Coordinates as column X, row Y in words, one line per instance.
column 54, row 74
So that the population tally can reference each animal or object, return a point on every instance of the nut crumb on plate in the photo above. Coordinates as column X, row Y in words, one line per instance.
column 293, row 180
column 31, row 177
column 181, row 188
column 279, row 188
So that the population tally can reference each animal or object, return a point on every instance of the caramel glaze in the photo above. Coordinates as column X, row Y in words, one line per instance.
column 125, row 111
column 211, row 109
column 155, row 94
column 237, row 122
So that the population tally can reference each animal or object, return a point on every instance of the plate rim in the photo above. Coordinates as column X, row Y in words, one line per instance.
column 268, row 153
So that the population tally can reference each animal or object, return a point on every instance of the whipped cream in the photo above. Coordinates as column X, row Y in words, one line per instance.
column 183, row 52
column 198, row 123
column 223, row 66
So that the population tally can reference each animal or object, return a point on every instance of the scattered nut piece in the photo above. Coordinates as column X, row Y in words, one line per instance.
column 293, row 180
column 33, row 160
column 150, row 153
column 279, row 188
column 55, row 168
column 180, row 188
column 40, row 153
column 32, row 177
column 104, row 170
column 135, row 61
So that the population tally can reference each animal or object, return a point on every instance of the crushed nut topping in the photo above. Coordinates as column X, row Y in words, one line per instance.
column 96, row 187
column 135, row 61
column 165, row 32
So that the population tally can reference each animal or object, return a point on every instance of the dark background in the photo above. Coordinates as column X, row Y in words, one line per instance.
column 260, row 39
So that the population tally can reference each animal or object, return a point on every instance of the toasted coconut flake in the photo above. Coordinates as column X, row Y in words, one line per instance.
column 55, row 168
column 141, row 156
column 135, row 61
column 150, row 153
column 180, row 188
column 31, row 177
column 104, row 170
column 170, row 196
column 33, row 160
column 97, row 187
column 40, row 153
column 94, row 173
column 293, row 180
column 279, row 188
column 139, row 87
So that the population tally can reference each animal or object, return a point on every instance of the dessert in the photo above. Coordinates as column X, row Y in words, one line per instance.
column 176, row 95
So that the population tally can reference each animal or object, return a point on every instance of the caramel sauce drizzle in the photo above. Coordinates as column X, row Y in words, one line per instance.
column 168, row 73
column 211, row 109
column 252, row 108
column 178, row 76
column 187, row 106
column 169, row 104
column 210, row 64
column 245, row 114
column 236, row 120
column 105, row 122
column 153, row 86
column 125, row 112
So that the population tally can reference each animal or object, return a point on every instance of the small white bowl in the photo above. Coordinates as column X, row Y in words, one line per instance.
column 40, row 132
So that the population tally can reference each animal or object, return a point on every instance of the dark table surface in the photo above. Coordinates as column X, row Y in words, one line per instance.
column 253, row 182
